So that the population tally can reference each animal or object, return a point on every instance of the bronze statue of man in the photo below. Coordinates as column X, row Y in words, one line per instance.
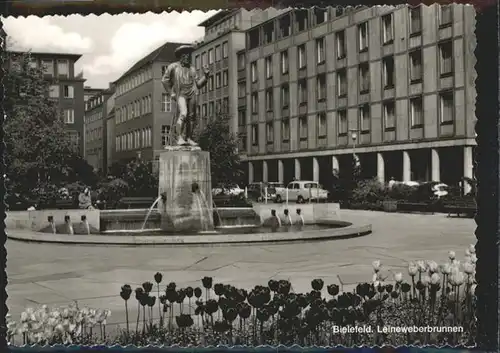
column 182, row 82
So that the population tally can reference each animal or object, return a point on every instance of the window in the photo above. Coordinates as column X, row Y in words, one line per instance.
column 225, row 78
column 48, row 67
column 62, row 67
column 284, row 62
column 342, row 83
column 416, row 66
column 322, row 125
column 196, row 62
column 211, row 56
column 242, row 89
column 341, row 44
column 342, row 122
column 218, row 107
column 284, row 26
column 363, row 36
column 253, row 38
column 320, row 15
column 269, row 133
column 269, row 66
column 301, row 17
column 301, row 49
column 166, row 103
column 446, row 58
column 255, row 103
column 364, row 77
column 165, row 135
column 387, row 29
column 54, row 91
column 203, row 59
column 255, row 135
column 204, row 110
column 302, row 88
column 388, row 66
column 211, row 83
column 69, row 116
column 446, row 107
column 269, row 100
column 241, row 61
column 285, row 130
column 225, row 51
column 285, row 96
column 69, row 91
column 211, row 109
column 321, row 87
column 268, row 30
column 415, row 20
column 303, row 128
column 253, row 69
column 242, row 117
column 445, row 15
column 320, row 50
column 218, row 80
column 217, row 53
column 416, row 112
column 389, row 115
column 364, row 118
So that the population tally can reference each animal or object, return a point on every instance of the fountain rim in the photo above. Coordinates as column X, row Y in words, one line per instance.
column 349, row 230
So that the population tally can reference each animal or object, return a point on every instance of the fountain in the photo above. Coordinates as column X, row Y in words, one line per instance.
column 86, row 225
column 69, row 225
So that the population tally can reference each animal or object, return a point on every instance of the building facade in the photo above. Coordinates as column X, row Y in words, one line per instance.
column 224, row 38
column 66, row 87
column 89, row 92
column 95, row 130
column 109, row 129
column 143, row 110
column 393, row 85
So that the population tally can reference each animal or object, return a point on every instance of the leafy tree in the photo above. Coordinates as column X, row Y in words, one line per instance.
column 138, row 175
column 39, row 151
column 216, row 138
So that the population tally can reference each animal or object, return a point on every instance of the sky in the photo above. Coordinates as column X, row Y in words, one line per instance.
column 110, row 44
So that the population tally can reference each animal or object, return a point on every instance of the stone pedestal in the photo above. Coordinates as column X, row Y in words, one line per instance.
column 186, row 187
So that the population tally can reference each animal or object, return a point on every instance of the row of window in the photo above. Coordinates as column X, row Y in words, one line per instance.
column 266, row 33
column 69, row 116
column 52, row 67
column 212, row 108
column 93, row 117
column 415, row 59
column 133, row 110
column 213, row 55
column 134, row 140
column 134, row 80
column 220, row 79
column 446, row 115
column 93, row 102
column 93, row 134
column 364, row 82
column 68, row 91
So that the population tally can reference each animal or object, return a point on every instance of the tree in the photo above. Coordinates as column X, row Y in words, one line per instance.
column 217, row 139
column 138, row 175
column 39, row 151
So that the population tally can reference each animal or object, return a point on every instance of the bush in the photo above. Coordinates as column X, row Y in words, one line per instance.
column 402, row 192
column 113, row 191
column 435, row 296
column 371, row 191
column 231, row 201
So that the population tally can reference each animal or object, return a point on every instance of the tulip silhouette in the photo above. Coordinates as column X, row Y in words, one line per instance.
column 333, row 289
column 147, row 286
column 273, row 285
column 197, row 292
column 230, row 314
column 219, row 289
column 125, row 294
column 189, row 292
column 317, row 284
column 405, row 287
column 207, row 282
column 139, row 293
column 394, row 294
column 158, row 278
column 389, row 288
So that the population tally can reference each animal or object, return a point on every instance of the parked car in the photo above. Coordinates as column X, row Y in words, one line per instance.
column 432, row 190
column 230, row 190
column 279, row 187
column 301, row 191
column 257, row 191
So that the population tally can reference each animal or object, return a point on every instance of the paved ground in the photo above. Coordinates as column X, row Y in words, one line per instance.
column 92, row 275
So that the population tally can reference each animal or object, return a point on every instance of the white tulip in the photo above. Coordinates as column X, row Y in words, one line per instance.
column 473, row 258
column 398, row 277
column 445, row 268
column 469, row 268
column 457, row 278
column 376, row 265
column 467, row 252
column 422, row 267
column 473, row 289
column 375, row 277
column 451, row 255
column 412, row 269
column 435, row 279
column 472, row 249
column 426, row 280
column 432, row 266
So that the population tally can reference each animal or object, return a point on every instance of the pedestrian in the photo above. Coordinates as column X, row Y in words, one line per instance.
column 85, row 200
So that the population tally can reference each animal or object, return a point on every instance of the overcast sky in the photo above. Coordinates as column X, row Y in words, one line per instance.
column 109, row 44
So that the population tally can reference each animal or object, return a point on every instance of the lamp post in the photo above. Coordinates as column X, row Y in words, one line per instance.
column 354, row 137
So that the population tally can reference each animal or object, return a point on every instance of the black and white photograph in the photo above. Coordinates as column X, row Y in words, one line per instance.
column 276, row 176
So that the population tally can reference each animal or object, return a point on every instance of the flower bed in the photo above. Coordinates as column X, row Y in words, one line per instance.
column 434, row 296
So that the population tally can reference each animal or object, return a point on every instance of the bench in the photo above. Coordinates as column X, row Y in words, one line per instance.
column 460, row 207
column 136, row 202
column 405, row 206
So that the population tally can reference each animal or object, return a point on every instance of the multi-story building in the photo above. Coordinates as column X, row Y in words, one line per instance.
column 393, row 85
column 89, row 92
column 95, row 129
column 66, row 87
column 109, row 129
column 143, row 110
column 224, row 37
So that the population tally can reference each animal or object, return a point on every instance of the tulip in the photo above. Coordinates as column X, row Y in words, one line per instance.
column 435, row 279
column 412, row 269
column 376, row 266
column 398, row 277
column 473, row 288
column 472, row 249
column 333, row 289
column 189, row 292
column 457, row 278
column 158, row 277
column 445, row 268
column 147, row 286
column 375, row 277
column 451, row 255
column 394, row 294
column 469, row 268
column 473, row 258
column 197, row 292
column 471, row 280
column 219, row 289
column 432, row 266
column 467, row 252
column 455, row 263
column 207, row 282
column 422, row 266
column 317, row 284
column 426, row 280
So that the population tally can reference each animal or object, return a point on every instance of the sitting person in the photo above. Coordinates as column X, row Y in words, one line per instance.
column 286, row 220
column 272, row 222
column 299, row 222
column 85, row 200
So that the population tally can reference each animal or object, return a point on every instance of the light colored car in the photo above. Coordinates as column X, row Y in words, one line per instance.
column 440, row 190
column 232, row 190
column 301, row 191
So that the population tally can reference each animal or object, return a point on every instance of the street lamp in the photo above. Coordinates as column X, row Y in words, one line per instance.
column 354, row 137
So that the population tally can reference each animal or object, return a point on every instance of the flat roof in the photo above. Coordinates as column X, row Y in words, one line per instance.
column 48, row 54
column 218, row 16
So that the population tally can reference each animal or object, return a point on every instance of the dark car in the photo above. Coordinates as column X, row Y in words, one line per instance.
column 256, row 191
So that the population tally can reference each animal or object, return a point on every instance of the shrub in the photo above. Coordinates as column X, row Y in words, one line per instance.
column 371, row 191
column 113, row 191
column 402, row 192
